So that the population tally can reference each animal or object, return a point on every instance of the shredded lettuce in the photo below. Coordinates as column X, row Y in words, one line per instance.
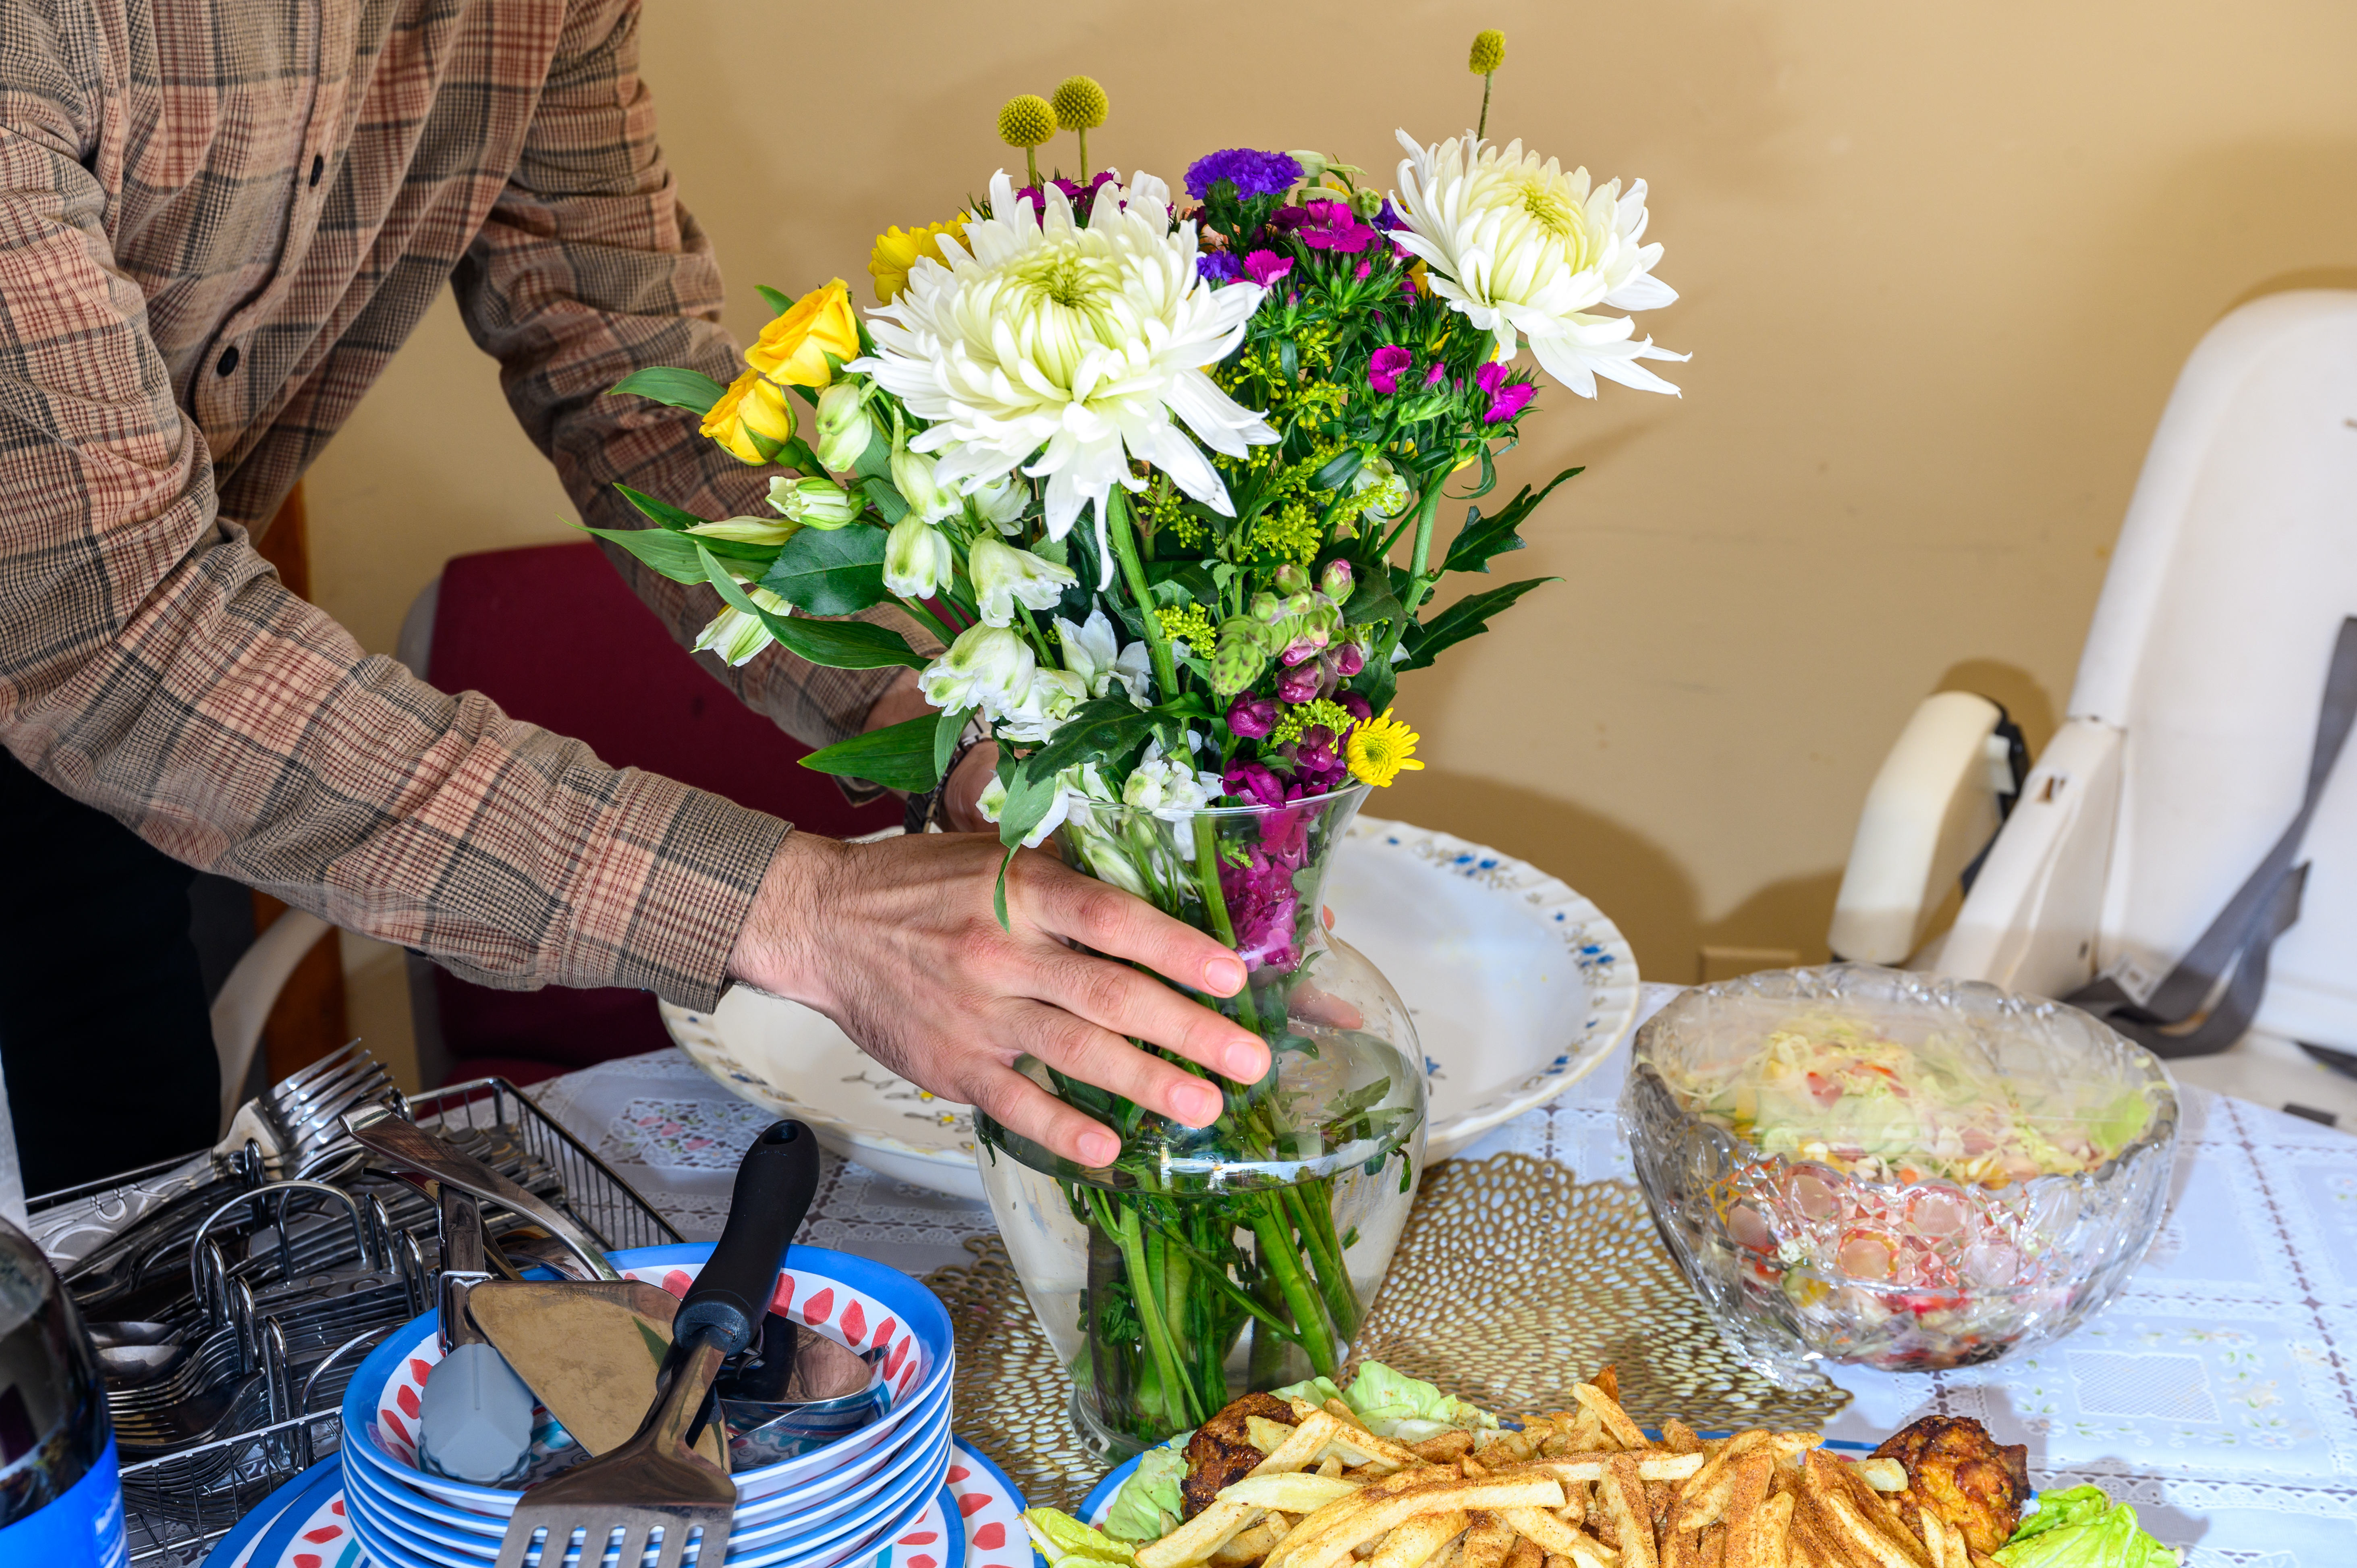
column 1394, row 1406
column 2082, row 1528
column 1063, row 1539
column 1149, row 1506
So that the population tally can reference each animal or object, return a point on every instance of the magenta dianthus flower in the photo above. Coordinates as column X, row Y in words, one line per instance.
column 1390, row 362
column 1268, row 266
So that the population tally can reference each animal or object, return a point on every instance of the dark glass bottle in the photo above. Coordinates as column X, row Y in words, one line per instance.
column 60, row 1499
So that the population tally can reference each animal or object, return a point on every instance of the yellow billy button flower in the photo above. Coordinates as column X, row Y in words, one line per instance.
column 1488, row 52
column 1080, row 105
column 751, row 419
column 897, row 249
column 1025, row 121
column 793, row 349
column 1379, row 749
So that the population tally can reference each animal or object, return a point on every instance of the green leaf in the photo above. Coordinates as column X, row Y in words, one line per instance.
column 1103, row 731
column 898, row 757
column 830, row 571
column 946, row 730
column 660, row 549
column 884, row 498
column 691, row 390
column 1372, row 601
column 1483, row 538
column 1341, row 471
column 837, row 644
column 1183, row 582
column 662, row 512
column 778, row 303
column 673, row 553
column 1468, row 617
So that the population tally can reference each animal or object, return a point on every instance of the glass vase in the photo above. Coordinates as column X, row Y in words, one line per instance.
column 1206, row 1262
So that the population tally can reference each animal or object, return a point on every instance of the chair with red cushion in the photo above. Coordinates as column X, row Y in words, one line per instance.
column 554, row 634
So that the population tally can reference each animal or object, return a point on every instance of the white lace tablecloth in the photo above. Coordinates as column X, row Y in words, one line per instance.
column 2219, row 1395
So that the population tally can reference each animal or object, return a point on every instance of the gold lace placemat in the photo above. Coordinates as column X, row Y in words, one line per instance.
column 1514, row 1280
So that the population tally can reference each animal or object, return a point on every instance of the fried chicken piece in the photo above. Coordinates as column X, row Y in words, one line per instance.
column 1963, row 1476
column 1220, row 1454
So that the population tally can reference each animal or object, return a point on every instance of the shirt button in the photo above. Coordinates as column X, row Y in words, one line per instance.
column 228, row 365
column 318, row 166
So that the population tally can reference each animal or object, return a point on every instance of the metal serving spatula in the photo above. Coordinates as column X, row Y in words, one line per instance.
column 655, row 1492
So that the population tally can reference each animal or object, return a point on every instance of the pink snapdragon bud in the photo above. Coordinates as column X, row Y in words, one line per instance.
column 1335, row 581
column 1252, row 718
column 1250, row 781
column 1300, row 683
column 1291, row 579
column 1349, row 659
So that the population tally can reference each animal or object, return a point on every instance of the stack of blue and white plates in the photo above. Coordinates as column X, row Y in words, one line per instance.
column 848, row 1502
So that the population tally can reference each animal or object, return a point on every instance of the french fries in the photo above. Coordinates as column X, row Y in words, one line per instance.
column 1578, row 1488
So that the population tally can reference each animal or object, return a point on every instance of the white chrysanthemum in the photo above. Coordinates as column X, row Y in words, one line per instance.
column 1521, row 248
column 1066, row 352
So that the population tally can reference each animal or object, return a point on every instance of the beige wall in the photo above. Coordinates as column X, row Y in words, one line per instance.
column 1939, row 264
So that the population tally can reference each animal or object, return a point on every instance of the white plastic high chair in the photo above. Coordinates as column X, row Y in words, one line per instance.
column 2186, row 757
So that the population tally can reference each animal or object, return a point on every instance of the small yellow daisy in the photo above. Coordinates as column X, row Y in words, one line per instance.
column 1379, row 748
column 897, row 251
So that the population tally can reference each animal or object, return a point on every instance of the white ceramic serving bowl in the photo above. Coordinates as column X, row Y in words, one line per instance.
column 1519, row 988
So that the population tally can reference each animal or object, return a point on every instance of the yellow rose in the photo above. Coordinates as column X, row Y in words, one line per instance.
column 897, row 251
column 793, row 349
column 751, row 419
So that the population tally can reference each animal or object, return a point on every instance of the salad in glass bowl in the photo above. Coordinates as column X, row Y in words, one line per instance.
column 1857, row 1165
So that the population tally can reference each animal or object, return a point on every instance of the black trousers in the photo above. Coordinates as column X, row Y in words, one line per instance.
column 104, row 1033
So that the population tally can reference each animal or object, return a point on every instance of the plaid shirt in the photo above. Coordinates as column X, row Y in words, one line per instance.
column 218, row 218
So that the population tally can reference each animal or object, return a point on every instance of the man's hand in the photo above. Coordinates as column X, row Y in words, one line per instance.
column 898, row 942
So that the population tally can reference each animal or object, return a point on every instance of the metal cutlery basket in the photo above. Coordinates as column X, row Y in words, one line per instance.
column 292, row 1362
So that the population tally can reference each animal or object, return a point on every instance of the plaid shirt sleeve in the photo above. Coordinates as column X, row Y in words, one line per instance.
column 151, row 665
column 590, row 268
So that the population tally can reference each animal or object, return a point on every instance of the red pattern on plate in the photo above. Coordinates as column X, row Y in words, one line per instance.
column 339, row 1506
column 307, row 1560
column 884, row 1331
column 677, row 1281
column 958, row 1473
column 324, row 1534
column 784, row 1297
column 923, row 1537
column 420, row 1370
column 854, row 1324
column 973, row 1503
column 398, row 1430
column 819, row 1309
column 406, row 1396
column 892, row 1362
column 990, row 1537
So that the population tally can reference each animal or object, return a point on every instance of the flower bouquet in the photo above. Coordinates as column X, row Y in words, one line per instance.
column 1164, row 478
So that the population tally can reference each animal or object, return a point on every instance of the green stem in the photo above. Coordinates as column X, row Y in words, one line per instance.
column 1084, row 142
column 1483, row 128
column 1215, row 904
column 1277, row 1251
column 1147, row 1297
column 1315, row 1221
column 1427, row 507
column 1133, row 571
column 927, row 618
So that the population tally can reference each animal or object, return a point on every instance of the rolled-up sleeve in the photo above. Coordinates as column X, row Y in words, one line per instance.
column 153, row 666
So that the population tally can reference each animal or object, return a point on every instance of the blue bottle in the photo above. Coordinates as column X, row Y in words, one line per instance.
column 60, row 1498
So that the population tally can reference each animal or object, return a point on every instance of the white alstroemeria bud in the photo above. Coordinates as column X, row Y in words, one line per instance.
column 844, row 424
column 1167, row 786
column 988, row 667
column 1002, row 502
column 748, row 530
column 912, row 476
column 917, row 559
column 1053, row 695
column 1005, row 576
column 736, row 636
column 1094, row 653
column 1390, row 497
column 815, row 502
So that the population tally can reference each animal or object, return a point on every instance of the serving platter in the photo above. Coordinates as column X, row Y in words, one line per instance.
column 1518, row 985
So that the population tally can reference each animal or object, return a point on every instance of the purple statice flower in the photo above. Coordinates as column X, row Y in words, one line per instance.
column 1216, row 267
column 1434, row 376
column 1252, row 173
column 1252, row 718
column 1390, row 362
column 1300, row 683
column 1387, row 217
column 1268, row 266
column 1332, row 226
column 1253, row 784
